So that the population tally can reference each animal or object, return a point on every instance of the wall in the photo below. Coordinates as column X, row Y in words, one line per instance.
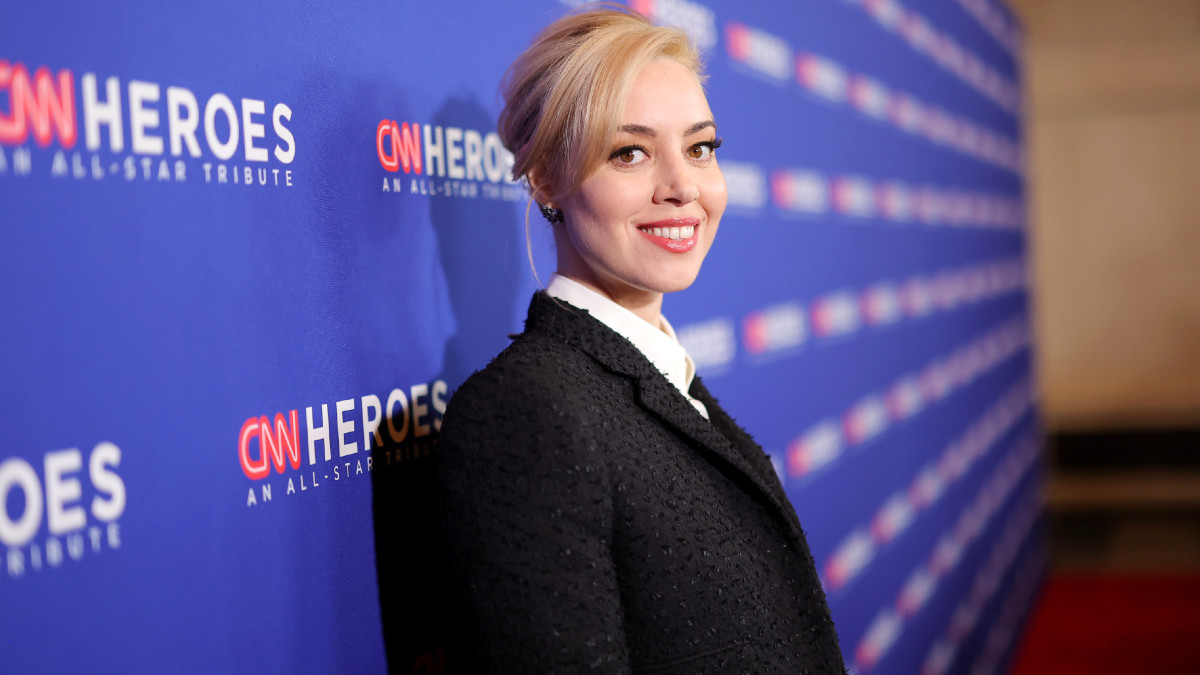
column 250, row 251
column 1114, row 127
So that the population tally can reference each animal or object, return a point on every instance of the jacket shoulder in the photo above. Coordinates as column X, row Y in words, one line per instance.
column 538, row 385
column 532, row 368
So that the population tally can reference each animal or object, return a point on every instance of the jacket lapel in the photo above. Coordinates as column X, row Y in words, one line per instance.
column 750, row 449
column 721, row 441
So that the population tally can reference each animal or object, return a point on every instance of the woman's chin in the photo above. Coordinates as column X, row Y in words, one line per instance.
column 677, row 283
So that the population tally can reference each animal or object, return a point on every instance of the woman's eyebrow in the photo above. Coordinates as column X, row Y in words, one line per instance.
column 643, row 130
column 639, row 130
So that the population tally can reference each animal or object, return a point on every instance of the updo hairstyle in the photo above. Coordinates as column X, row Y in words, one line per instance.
column 565, row 94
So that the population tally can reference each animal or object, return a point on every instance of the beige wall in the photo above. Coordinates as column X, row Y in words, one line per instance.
column 1113, row 131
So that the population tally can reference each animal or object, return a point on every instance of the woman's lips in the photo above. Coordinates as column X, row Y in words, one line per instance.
column 677, row 235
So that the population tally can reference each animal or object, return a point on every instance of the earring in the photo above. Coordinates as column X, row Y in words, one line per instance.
column 550, row 213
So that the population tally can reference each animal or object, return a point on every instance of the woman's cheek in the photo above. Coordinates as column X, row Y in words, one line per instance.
column 716, row 196
column 632, row 195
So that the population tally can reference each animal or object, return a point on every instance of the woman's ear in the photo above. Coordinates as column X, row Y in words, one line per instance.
column 538, row 189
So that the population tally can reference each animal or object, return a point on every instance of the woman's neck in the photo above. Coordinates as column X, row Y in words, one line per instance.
column 646, row 305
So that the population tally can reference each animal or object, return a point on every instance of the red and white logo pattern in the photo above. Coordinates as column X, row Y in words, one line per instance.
column 874, row 413
column 875, row 98
column 746, row 184
column 759, row 50
column 926, row 39
column 822, row 76
column 173, row 135
column 712, row 344
column 924, row 581
column 810, row 191
column 800, row 191
column 819, row 446
column 57, row 523
column 774, row 329
column 903, row 507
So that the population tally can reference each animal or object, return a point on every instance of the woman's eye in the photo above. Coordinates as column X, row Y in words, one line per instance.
column 629, row 155
column 705, row 150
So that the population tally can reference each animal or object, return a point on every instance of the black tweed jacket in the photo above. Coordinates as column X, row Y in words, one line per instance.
column 596, row 522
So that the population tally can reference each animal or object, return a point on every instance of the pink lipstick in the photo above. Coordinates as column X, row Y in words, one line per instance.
column 677, row 235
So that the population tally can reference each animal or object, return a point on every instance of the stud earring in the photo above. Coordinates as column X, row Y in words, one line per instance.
column 550, row 213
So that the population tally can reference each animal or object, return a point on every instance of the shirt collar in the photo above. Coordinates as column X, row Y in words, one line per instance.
column 659, row 344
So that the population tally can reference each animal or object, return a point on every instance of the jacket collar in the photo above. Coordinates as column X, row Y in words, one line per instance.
column 720, row 440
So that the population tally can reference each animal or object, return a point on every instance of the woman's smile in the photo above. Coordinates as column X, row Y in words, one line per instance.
column 677, row 235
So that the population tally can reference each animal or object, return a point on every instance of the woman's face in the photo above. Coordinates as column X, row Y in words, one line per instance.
column 641, row 224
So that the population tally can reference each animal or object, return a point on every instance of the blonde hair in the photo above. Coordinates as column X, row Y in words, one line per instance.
column 565, row 94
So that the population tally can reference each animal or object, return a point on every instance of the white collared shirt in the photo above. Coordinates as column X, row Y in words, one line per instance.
column 659, row 345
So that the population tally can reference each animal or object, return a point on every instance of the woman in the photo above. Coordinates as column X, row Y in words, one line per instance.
column 601, row 511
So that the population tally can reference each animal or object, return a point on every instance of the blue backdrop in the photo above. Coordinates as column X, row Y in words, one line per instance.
column 250, row 249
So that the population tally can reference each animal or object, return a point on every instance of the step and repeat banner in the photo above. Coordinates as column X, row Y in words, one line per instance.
column 249, row 250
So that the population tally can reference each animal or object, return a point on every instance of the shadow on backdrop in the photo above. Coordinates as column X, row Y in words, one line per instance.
column 480, row 246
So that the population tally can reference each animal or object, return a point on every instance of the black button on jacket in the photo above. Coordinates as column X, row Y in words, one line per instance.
column 596, row 522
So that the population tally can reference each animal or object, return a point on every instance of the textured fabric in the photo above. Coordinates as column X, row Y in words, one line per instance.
column 596, row 522
column 658, row 343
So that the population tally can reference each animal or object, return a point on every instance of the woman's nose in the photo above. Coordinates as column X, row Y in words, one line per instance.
column 674, row 183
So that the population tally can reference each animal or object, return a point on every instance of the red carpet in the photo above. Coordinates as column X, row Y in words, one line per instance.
column 1101, row 624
